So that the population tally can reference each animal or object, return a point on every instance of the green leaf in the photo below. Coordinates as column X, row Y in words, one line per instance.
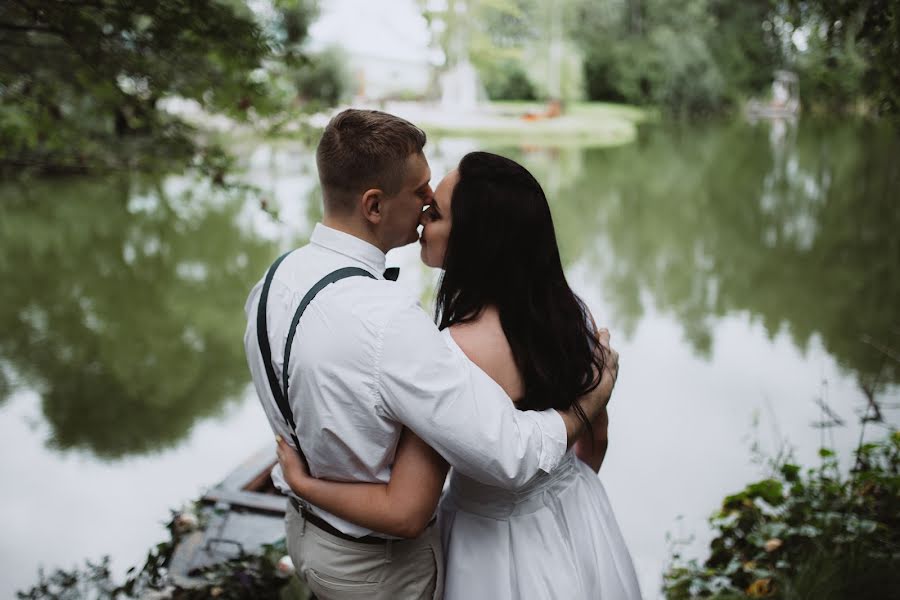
column 769, row 490
column 790, row 472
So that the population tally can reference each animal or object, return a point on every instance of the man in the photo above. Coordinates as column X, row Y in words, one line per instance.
column 365, row 361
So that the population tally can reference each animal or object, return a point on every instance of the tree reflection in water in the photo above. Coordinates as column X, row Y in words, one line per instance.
column 122, row 306
column 122, row 299
column 796, row 226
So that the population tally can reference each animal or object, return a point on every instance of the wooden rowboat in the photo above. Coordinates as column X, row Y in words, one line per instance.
column 237, row 516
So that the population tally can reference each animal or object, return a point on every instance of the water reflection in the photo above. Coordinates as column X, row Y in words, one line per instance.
column 798, row 227
column 122, row 306
column 122, row 297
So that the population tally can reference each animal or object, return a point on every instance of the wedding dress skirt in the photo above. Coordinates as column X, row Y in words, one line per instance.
column 555, row 538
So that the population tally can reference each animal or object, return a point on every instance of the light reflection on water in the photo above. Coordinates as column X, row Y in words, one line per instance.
column 744, row 272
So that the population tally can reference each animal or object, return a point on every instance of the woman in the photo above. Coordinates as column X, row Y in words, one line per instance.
column 504, row 303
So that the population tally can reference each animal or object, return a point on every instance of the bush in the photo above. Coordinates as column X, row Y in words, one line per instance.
column 667, row 68
column 821, row 535
column 688, row 82
column 322, row 80
column 507, row 80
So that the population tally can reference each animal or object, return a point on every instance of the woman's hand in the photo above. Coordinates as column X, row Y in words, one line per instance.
column 402, row 507
column 296, row 473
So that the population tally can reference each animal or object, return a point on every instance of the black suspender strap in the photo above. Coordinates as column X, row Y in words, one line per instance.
column 325, row 281
column 262, row 338
column 281, row 393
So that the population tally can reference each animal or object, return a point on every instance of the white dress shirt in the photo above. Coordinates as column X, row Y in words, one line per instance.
column 367, row 361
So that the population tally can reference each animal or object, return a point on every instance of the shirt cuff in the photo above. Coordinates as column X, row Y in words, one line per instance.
column 554, row 437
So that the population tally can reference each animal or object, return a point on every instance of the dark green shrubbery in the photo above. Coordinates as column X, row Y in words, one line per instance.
column 507, row 80
column 820, row 534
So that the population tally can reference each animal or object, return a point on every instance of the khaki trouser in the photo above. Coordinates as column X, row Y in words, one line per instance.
column 335, row 568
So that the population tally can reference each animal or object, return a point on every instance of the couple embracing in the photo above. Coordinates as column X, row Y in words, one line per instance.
column 372, row 403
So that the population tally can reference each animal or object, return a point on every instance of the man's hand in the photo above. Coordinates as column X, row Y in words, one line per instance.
column 594, row 402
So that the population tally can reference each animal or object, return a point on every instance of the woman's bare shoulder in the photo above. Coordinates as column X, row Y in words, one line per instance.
column 484, row 342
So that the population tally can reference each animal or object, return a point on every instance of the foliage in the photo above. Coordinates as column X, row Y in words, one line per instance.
column 690, row 57
column 558, row 74
column 323, row 80
column 655, row 52
column 519, row 47
column 77, row 71
column 93, row 581
column 506, row 80
column 305, row 80
column 489, row 33
column 853, row 52
column 244, row 577
column 746, row 51
column 699, row 56
column 247, row 577
column 819, row 534
column 689, row 81
column 83, row 82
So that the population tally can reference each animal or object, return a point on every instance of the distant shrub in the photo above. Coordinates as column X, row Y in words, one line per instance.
column 323, row 80
column 677, row 73
column 507, row 80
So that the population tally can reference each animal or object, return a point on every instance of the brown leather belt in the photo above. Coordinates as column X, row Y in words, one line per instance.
column 329, row 528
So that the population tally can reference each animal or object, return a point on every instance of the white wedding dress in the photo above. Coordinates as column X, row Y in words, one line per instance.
column 556, row 537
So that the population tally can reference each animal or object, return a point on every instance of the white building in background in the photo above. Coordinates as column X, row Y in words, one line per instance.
column 386, row 42
column 389, row 77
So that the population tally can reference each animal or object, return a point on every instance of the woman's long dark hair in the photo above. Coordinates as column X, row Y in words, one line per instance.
column 502, row 251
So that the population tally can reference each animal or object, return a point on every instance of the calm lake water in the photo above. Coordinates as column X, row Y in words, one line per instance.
column 747, row 273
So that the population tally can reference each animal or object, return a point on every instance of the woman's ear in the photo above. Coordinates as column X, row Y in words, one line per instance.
column 372, row 205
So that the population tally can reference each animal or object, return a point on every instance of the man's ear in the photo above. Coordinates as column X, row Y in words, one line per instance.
column 372, row 205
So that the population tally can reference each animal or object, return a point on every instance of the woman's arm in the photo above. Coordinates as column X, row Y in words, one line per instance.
column 592, row 449
column 401, row 507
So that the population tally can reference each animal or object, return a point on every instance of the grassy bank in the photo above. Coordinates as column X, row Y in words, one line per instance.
column 515, row 123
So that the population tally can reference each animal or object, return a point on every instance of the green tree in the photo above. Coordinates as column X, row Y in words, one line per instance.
column 651, row 52
column 82, row 82
column 852, row 55
column 322, row 80
column 81, row 76
column 701, row 56
column 488, row 33
column 746, row 52
column 521, row 48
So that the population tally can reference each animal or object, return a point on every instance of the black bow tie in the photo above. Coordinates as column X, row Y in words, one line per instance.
column 392, row 273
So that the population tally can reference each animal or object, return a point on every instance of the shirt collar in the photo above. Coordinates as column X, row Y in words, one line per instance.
column 350, row 246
